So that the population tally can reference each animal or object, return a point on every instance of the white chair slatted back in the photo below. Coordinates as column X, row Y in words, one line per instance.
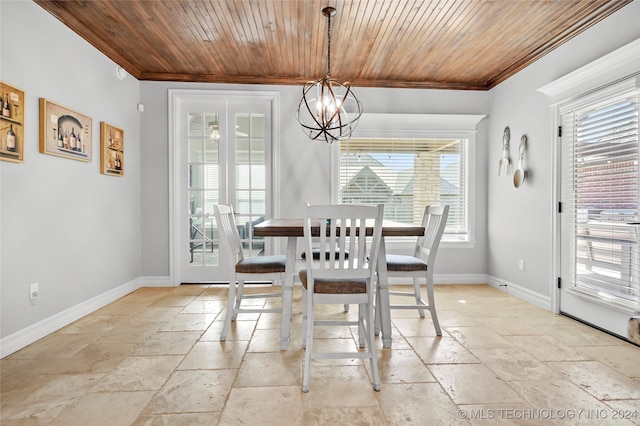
column 342, row 227
column 229, row 236
column 434, row 221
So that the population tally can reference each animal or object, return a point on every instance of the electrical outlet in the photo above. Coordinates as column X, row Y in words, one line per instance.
column 521, row 265
column 33, row 291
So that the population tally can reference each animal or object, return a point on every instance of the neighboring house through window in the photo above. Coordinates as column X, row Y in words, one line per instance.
column 416, row 167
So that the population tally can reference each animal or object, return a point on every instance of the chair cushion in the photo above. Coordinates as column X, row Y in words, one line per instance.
column 261, row 264
column 335, row 286
column 401, row 263
column 327, row 254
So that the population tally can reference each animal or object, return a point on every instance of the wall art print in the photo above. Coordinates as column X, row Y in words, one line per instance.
column 11, row 123
column 64, row 132
column 111, row 149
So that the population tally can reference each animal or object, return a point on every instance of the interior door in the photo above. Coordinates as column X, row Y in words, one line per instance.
column 599, row 221
column 222, row 155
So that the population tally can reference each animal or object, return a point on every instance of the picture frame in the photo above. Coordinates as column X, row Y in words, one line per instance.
column 64, row 132
column 111, row 150
column 12, row 121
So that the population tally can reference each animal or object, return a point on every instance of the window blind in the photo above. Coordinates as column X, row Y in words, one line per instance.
column 602, row 188
column 406, row 175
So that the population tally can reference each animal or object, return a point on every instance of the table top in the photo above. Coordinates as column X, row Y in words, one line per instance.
column 294, row 228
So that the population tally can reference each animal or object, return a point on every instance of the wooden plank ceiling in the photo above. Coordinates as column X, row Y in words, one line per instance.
column 445, row 44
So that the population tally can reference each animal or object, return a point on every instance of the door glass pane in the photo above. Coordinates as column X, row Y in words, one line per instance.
column 195, row 176
column 195, row 150
column 242, row 151
column 242, row 125
column 258, row 176
column 203, row 174
column 257, row 126
column 257, row 151
column 211, row 147
column 195, row 202
column 243, row 176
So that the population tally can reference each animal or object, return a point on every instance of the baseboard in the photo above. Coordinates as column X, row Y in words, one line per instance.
column 160, row 281
column 520, row 292
column 446, row 279
column 34, row 332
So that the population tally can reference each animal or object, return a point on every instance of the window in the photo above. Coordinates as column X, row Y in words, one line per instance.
column 405, row 175
column 408, row 161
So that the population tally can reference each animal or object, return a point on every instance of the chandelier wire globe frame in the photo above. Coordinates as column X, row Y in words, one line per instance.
column 329, row 110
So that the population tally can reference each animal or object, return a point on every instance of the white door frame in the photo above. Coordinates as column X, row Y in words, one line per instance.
column 175, row 96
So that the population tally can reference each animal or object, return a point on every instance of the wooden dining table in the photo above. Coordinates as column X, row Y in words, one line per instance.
column 292, row 229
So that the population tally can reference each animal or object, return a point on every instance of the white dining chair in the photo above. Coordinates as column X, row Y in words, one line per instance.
column 341, row 280
column 241, row 269
column 420, row 265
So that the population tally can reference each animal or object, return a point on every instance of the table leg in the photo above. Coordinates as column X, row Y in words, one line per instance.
column 383, row 312
column 287, row 292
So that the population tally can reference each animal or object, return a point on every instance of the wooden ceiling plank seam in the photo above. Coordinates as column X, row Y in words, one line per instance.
column 367, row 34
column 378, row 58
column 275, row 17
column 475, row 19
column 255, row 37
column 343, row 39
column 270, row 46
column 235, row 30
column 182, row 20
column 456, row 31
column 237, row 24
column 490, row 28
column 227, row 47
column 415, row 40
column 360, row 45
column 211, row 47
column 398, row 57
column 204, row 18
column 199, row 37
column 318, row 49
column 385, row 28
column 306, row 42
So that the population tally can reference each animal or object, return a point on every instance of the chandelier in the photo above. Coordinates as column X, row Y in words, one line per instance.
column 329, row 109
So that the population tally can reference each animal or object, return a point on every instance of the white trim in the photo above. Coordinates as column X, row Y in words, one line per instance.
column 459, row 279
column 521, row 292
column 619, row 64
column 157, row 282
column 377, row 124
column 21, row 338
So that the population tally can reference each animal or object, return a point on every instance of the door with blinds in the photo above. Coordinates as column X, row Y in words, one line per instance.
column 600, row 220
column 223, row 155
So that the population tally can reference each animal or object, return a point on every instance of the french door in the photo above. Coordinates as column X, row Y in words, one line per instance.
column 600, row 221
column 222, row 155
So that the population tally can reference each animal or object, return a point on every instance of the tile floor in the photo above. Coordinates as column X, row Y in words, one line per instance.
column 153, row 358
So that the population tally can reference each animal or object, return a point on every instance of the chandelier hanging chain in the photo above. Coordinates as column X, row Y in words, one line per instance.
column 328, row 14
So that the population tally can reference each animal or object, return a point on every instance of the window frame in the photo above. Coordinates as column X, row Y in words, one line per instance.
column 426, row 126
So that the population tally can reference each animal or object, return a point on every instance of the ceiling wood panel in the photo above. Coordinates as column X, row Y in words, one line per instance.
column 445, row 44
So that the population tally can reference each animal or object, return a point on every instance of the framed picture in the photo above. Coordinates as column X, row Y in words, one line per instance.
column 64, row 132
column 111, row 150
column 11, row 124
